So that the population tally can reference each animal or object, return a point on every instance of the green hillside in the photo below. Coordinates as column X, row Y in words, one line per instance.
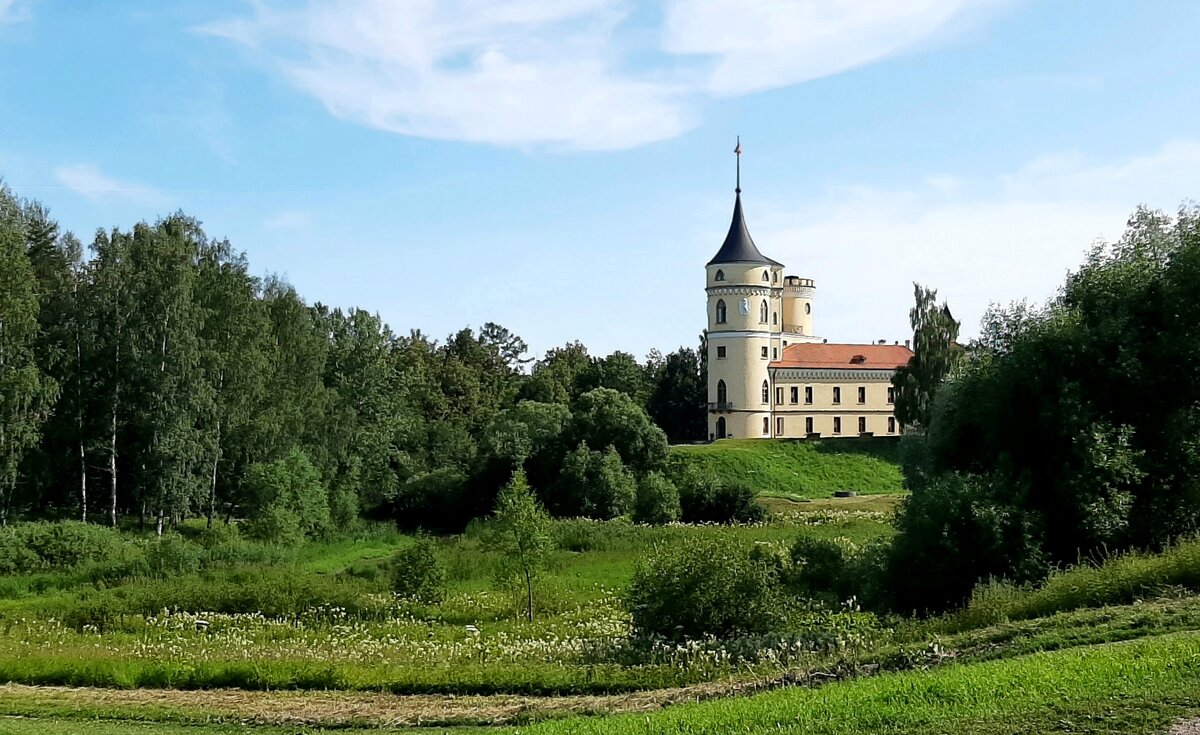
column 800, row 469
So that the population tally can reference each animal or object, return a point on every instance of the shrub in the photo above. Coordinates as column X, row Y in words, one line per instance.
column 172, row 555
column 657, row 500
column 287, row 498
column 15, row 556
column 703, row 500
column 594, row 484
column 67, row 544
column 418, row 574
column 218, row 535
column 704, row 587
column 437, row 500
column 818, row 566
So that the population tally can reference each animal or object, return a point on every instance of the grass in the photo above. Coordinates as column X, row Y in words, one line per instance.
column 800, row 469
column 1135, row 687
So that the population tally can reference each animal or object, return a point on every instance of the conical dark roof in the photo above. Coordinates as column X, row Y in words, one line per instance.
column 739, row 247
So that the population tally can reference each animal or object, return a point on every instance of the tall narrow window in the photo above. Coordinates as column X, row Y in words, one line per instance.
column 891, row 394
column 766, row 275
column 775, row 317
column 837, row 394
column 862, row 394
column 766, row 393
column 720, row 311
column 808, row 424
column 766, row 426
column 774, row 353
column 862, row 424
column 779, row 426
column 762, row 312
column 764, row 352
column 779, row 396
column 721, row 394
column 808, row 394
column 795, row 394
column 774, row 278
column 891, row 424
column 837, row 424
column 720, row 276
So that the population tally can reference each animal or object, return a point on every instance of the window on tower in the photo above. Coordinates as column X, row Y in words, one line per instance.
column 764, row 353
column 720, row 311
column 766, row 276
column 722, row 393
column 762, row 312
column 719, row 276
column 766, row 392
column 774, row 317
column 808, row 308
column 720, row 352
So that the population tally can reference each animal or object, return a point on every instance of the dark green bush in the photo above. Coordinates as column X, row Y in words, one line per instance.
column 172, row 555
column 704, row 587
column 657, row 500
column 67, row 544
column 418, row 574
column 704, row 500
column 818, row 566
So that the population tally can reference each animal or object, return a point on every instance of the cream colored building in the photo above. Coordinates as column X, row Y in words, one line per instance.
column 769, row 375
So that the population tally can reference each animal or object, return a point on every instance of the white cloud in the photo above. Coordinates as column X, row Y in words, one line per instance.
column 573, row 73
column 11, row 11
column 981, row 241
column 89, row 181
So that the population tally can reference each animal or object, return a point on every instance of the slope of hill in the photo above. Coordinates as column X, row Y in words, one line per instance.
column 800, row 469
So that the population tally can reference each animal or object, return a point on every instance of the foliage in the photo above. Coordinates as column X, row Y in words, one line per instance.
column 704, row 588
column 1071, row 429
column 288, row 500
column 935, row 355
column 523, row 534
column 657, row 500
column 704, row 499
column 418, row 574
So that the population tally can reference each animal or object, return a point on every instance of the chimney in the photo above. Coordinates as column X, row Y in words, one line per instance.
column 906, row 344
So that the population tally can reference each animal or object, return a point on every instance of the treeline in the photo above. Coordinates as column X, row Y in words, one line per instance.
column 153, row 377
column 1063, row 434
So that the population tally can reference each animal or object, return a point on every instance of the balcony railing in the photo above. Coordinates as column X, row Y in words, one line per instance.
column 720, row 406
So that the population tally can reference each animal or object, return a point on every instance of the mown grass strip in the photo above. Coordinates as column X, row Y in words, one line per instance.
column 1141, row 685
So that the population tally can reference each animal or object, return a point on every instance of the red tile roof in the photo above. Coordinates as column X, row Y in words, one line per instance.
column 844, row 357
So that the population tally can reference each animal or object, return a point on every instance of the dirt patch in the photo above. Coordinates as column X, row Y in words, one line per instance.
column 1186, row 727
column 341, row 709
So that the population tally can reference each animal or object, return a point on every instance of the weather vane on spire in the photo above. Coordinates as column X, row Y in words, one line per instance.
column 738, row 152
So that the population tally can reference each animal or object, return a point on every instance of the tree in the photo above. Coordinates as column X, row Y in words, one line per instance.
column 678, row 395
column 289, row 501
column 606, row 418
column 25, row 393
column 523, row 533
column 657, row 500
column 935, row 354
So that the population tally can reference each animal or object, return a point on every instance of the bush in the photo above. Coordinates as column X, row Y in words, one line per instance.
column 275, row 524
column 594, row 484
column 172, row 555
column 15, row 556
column 818, row 566
column 67, row 544
column 703, row 500
column 287, row 499
column 704, row 587
column 657, row 500
column 219, row 535
column 418, row 574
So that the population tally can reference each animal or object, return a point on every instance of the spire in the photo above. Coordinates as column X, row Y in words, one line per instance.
column 739, row 247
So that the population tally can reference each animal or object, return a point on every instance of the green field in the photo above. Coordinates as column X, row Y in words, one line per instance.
column 800, row 469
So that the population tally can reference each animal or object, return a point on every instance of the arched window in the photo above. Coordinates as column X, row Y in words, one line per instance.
column 775, row 277
column 766, row 393
column 762, row 312
column 774, row 317
column 720, row 311
column 720, row 276
column 721, row 392
column 766, row 275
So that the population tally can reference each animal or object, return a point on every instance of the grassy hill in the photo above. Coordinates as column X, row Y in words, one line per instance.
column 800, row 469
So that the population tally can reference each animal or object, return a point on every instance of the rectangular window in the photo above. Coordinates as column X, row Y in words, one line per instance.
column 837, row 394
column 862, row 424
column 808, row 424
column 766, row 426
column 721, row 352
column 891, row 394
column 891, row 424
column 808, row 394
column 795, row 394
column 862, row 394
column 774, row 353
column 779, row 396
column 764, row 353
column 837, row 424
column 779, row 426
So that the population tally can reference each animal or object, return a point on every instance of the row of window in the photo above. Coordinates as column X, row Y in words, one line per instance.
column 766, row 276
column 794, row 393
column 808, row 425
column 763, row 311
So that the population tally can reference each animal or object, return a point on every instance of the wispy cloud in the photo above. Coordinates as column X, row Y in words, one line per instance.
column 574, row 73
column 980, row 240
column 89, row 181
column 12, row 11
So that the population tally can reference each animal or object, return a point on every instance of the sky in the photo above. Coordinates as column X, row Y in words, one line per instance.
column 565, row 168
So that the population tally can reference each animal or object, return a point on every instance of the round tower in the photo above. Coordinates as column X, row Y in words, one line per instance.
column 745, row 298
column 798, row 294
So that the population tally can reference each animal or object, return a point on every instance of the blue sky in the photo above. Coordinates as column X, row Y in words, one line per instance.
column 566, row 168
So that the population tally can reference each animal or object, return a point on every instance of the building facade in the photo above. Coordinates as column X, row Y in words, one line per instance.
column 769, row 375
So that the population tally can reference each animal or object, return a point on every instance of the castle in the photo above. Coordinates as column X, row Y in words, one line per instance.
column 769, row 375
